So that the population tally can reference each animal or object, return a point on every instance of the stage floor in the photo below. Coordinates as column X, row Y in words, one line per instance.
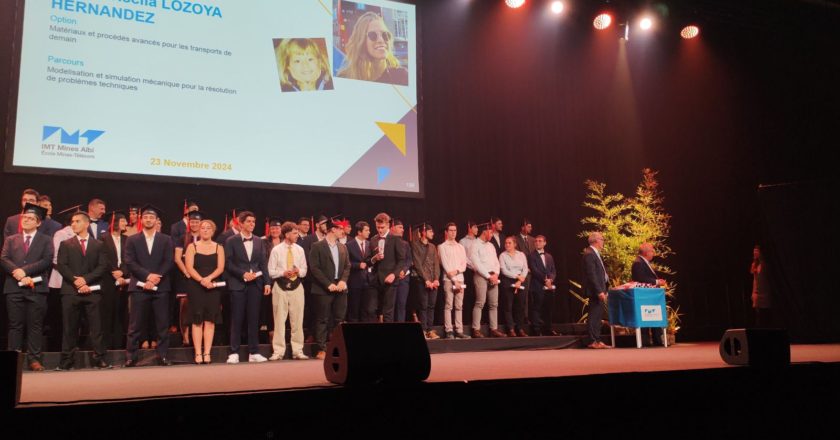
column 119, row 384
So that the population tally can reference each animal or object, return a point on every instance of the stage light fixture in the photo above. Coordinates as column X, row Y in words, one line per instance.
column 646, row 23
column 602, row 21
column 514, row 3
column 690, row 32
column 557, row 7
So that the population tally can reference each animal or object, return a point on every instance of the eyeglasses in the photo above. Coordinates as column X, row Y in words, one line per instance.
column 373, row 36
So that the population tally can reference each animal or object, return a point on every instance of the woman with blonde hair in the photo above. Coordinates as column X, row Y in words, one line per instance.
column 303, row 66
column 369, row 53
column 205, row 262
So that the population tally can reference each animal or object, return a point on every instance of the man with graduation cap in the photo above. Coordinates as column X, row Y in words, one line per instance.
column 388, row 260
column 12, row 225
column 26, row 259
column 114, row 302
column 329, row 266
column 82, row 263
column 426, row 276
column 133, row 220
column 149, row 257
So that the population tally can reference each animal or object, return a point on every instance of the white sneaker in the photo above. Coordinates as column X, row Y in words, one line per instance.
column 256, row 358
column 233, row 358
column 276, row 357
column 300, row 357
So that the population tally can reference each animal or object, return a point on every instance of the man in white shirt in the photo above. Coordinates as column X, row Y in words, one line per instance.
column 485, row 263
column 286, row 267
column 453, row 258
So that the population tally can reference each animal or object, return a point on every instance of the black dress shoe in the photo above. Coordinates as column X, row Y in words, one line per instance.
column 64, row 367
column 130, row 363
column 101, row 364
column 164, row 362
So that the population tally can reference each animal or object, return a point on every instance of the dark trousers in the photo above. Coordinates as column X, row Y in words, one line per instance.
column 112, row 311
column 308, row 309
column 354, row 303
column 596, row 312
column 72, row 308
column 26, row 316
column 330, row 310
column 513, row 304
column 401, row 300
column 540, row 305
column 141, row 302
column 428, row 300
column 245, row 306
column 372, row 301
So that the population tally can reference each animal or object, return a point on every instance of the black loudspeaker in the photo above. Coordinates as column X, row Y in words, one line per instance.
column 758, row 347
column 367, row 353
column 11, row 371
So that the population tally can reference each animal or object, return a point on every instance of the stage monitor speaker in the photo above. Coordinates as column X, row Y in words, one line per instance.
column 360, row 353
column 11, row 370
column 757, row 347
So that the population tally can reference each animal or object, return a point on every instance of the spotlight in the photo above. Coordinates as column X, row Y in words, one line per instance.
column 602, row 21
column 690, row 32
column 557, row 7
column 514, row 3
column 646, row 23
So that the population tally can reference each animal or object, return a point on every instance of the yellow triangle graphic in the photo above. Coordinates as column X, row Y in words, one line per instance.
column 394, row 132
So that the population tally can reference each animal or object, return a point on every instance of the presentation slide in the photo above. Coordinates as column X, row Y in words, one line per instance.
column 316, row 93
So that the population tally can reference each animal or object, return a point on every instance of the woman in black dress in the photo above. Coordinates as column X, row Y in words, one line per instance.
column 205, row 261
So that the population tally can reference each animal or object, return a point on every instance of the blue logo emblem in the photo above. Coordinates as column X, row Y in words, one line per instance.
column 71, row 138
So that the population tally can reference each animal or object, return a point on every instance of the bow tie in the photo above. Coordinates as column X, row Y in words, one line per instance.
column 540, row 252
column 245, row 240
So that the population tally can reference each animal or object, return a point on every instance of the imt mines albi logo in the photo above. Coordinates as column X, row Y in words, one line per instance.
column 58, row 141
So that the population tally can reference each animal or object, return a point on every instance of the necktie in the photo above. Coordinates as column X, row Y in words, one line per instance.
column 290, row 262
column 84, row 247
column 363, row 249
column 26, row 243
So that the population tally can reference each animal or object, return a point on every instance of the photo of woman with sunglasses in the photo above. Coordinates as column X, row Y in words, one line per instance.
column 369, row 53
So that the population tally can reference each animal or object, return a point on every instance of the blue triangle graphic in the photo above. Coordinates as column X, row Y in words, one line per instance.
column 382, row 173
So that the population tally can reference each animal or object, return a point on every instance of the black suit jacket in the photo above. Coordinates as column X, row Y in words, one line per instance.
column 177, row 231
column 641, row 273
column 358, row 276
column 594, row 274
column 500, row 247
column 540, row 271
column 141, row 264
column 71, row 263
column 525, row 245
column 222, row 238
column 237, row 263
column 111, row 253
column 322, row 267
column 395, row 257
column 36, row 263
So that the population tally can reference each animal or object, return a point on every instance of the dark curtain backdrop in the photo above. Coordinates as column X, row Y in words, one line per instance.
column 518, row 110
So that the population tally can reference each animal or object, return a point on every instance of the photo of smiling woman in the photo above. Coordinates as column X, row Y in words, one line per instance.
column 303, row 64
column 369, row 53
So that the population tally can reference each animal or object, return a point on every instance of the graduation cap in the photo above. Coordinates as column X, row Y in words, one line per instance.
column 67, row 214
column 150, row 209
column 397, row 222
column 114, row 217
column 422, row 227
column 38, row 211
column 488, row 226
column 196, row 215
column 272, row 221
column 135, row 207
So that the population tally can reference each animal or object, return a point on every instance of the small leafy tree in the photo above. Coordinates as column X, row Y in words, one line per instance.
column 626, row 223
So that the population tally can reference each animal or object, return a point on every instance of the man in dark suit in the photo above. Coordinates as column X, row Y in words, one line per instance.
column 643, row 272
column 114, row 303
column 524, row 242
column 51, row 226
column 149, row 259
column 231, row 228
column 330, row 269
column 13, row 225
column 595, row 287
column 179, row 229
column 543, row 274
column 388, row 259
column 306, row 242
column 26, row 260
column 497, row 239
column 82, row 264
column 358, row 250
column 248, row 281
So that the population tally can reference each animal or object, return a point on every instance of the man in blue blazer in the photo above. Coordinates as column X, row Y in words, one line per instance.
column 359, row 251
column 248, row 281
column 149, row 258
column 543, row 274
column 26, row 257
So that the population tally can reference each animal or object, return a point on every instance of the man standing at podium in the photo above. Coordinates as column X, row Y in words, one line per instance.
column 642, row 272
column 595, row 280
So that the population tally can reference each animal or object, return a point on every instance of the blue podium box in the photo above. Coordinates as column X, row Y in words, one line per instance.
column 638, row 308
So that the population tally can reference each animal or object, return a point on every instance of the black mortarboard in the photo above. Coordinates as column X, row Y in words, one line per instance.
column 68, row 213
column 196, row 215
column 39, row 212
column 274, row 221
column 321, row 219
column 485, row 226
column 422, row 227
column 150, row 209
